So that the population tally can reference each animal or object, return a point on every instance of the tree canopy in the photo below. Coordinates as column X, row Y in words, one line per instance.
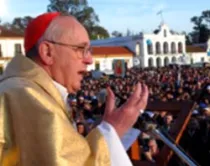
column 84, row 14
column 77, row 8
column 201, row 28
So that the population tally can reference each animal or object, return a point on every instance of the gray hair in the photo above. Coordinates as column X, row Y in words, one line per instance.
column 54, row 32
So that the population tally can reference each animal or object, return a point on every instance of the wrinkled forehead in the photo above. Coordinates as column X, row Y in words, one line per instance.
column 76, row 33
column 81, row 36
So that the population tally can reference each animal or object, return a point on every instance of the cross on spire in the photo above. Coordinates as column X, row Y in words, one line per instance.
column 161, row 15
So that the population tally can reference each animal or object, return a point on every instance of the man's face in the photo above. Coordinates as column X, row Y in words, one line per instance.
column 81, row 129
column 153, row 146
column 168, row 119
column 70, row 63
column 163, row 113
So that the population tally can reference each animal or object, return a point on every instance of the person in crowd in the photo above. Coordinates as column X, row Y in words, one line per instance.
column 82, row 129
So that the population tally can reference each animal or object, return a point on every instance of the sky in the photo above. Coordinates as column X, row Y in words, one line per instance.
column 121, row 15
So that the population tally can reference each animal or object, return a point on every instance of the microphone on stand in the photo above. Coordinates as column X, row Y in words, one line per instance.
column 151, row 129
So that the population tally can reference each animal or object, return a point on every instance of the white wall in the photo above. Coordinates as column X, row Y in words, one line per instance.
column 106, row 63
column 8, row 46
column 197, row 57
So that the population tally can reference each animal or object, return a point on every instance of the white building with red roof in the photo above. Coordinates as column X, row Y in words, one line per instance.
column 11, row 43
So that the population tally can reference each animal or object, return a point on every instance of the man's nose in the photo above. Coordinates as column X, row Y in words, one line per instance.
column 88, row 60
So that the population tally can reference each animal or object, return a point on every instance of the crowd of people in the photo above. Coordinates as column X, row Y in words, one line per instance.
column 165, row 84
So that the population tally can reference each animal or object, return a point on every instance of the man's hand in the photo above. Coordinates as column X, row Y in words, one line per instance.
column 124, row 117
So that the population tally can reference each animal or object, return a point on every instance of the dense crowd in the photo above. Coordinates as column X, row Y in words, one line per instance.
column 165, row 84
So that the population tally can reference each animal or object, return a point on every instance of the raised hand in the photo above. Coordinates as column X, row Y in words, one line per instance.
column 124, row 117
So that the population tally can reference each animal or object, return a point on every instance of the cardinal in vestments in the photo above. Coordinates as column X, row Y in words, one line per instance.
column 35, row 127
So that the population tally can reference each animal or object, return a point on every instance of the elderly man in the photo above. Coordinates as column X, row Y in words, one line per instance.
column 35, row 127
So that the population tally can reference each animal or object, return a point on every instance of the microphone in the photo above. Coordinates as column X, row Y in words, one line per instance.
column 152, row 129
column 173, row 146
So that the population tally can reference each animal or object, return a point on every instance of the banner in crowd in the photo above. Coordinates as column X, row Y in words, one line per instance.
column 119, row 67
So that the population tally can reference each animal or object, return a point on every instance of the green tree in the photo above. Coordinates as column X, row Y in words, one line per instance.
column 188, row 40
column 206, row 17
column 20, row 24
column 80, row 10
column 72, row 7
column 99, row 32
column 7, row 25
column 200, row 33
column 117, row 34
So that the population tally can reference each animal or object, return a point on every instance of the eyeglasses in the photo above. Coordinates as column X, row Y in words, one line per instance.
column 85, row 50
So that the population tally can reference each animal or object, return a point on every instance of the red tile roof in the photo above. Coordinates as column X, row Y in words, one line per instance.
column 101, row 50
column 9, row 33
column 194, row 49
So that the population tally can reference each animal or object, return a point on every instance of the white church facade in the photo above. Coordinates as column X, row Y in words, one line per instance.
column 158, row 49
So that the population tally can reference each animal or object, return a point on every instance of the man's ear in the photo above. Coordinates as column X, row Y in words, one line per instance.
column 45, row 53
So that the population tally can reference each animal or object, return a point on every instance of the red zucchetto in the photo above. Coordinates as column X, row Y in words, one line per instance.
column 36, row 29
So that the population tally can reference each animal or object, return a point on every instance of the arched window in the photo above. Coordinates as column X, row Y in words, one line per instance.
column 165, row 48
column 157, row 47
column 150, row 62
column 180, row 48
column 173, row 48
column 166, row 61
column 173, row 60
column 150, row 48
column 158, row 62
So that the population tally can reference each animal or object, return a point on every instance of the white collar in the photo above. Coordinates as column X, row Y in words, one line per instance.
column 63, row 91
